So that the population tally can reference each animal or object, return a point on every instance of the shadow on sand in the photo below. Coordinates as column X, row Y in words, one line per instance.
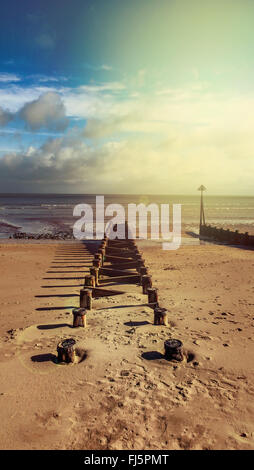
column 137, row 323
column 152, row 355
column 44, row 358
column 64, row 307
column 206, row 241
column 53, row 326
column 123, row 306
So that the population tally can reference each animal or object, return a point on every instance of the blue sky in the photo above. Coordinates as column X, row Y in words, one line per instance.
column 137, row 96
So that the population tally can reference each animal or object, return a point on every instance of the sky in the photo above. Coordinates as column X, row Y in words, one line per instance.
column 143, row 97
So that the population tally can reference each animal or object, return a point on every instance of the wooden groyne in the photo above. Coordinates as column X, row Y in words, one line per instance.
column 119, row 262
column 113, row 265
column 209, row 232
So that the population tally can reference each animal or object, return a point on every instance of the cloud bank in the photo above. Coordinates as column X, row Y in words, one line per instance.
column 130, row 165
column 168, row 140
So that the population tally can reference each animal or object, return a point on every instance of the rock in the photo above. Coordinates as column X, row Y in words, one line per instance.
column 124, row 373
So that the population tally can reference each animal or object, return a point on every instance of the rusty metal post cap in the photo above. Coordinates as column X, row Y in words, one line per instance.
column 173, row 344
column 160, row 310
column 79, row 311
column 67, row 343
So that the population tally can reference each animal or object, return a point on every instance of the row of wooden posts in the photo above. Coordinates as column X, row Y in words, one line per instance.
column 226, row 236
column 121, row 262
column 114, row 260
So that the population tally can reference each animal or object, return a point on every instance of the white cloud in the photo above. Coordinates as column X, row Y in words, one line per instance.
column 108, row 86
column 47, row 112
column 96, row 128
column 106, row 67
column 5, row 116
column 97, row 68
column 14, row 97
column 9, row 77
column 47, row 78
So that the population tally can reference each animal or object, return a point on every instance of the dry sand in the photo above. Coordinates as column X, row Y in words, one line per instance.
column 125, row 395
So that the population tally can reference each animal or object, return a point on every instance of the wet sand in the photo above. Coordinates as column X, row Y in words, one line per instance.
column 125, row 395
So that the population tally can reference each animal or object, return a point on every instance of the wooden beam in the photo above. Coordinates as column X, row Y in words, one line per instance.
column 118, row 259
column 124, row 253
column 123, row 266
column 98, row 292
column 120, row 244
column 130, row 279
column 112, row 272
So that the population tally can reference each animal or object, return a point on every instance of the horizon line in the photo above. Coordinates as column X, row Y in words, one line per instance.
column 122, row 194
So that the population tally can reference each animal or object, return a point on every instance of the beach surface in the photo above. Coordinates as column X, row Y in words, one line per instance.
column 124, row 394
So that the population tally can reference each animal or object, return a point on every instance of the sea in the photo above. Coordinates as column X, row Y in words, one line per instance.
column 40, row 213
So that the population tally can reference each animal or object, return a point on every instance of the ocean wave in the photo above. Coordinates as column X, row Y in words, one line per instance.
column 6, row 223
column 49, row 206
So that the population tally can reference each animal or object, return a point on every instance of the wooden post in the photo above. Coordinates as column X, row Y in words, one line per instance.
column 65, row 350
column 143, row 270
column 86, row 299
column 202, row 212
column 96, row 263
column 141, row 264
column 236, row 237
column 79, row 317
column 246, row 238
column 95, row 273
column 146, row 283
column 160, row 316
column 98, row 257
column 152, row 296
column 101, row 251
column 90, row 281
column 173, row 349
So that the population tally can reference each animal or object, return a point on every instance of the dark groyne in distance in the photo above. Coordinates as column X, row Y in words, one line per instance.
column 208, row 232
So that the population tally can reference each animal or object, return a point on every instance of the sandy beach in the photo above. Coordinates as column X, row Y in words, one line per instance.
column 125, row 395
